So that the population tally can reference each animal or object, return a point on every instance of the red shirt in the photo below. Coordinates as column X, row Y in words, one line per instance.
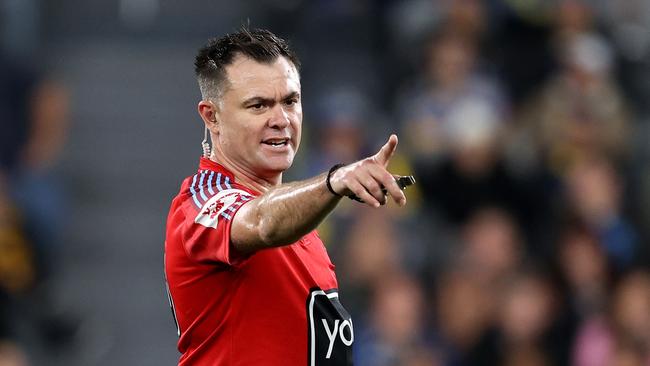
column 276, row 307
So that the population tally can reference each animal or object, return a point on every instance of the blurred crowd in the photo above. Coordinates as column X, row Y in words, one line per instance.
column 525, row 124
column 526, row 239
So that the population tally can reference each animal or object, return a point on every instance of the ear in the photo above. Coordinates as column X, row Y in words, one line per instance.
column 209, row 112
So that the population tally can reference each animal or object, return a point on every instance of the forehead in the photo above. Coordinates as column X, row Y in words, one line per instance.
column 247, row 76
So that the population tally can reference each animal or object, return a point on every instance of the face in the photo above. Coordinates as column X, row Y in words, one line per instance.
column 259, row 116
column 451, row 62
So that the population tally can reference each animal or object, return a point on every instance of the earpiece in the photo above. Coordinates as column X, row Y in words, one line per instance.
column 205, row 145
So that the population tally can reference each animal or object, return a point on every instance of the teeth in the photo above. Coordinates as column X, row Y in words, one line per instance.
column 274, row 143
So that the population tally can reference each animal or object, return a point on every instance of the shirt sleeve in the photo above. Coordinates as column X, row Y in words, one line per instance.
column 206, row 229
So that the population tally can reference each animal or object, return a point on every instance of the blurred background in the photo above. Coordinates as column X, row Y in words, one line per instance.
column 526, row 240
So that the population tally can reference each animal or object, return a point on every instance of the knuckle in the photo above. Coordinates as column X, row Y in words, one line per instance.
column 377, row 192
column 369, row 161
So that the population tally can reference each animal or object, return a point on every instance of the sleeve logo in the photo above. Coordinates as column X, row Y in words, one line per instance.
column 220, row 205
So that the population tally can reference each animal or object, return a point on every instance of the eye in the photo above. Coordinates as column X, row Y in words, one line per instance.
column 256, row 106
column 291, row 102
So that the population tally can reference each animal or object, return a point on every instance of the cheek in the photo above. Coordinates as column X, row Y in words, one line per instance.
column 298, row 132
column 242, row 129
column 297, row 124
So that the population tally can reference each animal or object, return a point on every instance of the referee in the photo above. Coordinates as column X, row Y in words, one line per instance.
column 249, row 280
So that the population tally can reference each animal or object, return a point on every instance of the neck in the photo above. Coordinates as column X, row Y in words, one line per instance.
column 245, row 176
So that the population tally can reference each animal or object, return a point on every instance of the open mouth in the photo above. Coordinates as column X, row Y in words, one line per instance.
column 276, row 142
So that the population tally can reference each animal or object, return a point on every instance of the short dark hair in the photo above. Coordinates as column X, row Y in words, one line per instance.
column 260, row 45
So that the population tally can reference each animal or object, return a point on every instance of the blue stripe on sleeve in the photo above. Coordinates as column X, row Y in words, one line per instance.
column 219, row 187
column 210, row 190
column 198, row 204
column 205, row 198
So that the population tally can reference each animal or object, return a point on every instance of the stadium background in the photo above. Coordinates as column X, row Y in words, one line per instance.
column 526, row 124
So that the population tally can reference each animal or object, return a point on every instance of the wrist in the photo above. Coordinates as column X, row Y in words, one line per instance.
column 328, row 181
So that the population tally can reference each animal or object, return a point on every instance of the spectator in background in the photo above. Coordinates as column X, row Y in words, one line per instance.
column 364, row 267
column 455, row 121
column 464, row 310
column 33, row 121
column 491, row 249
column 489, row 253
column 622, row 338
column 580, row 111
column 631, row 316
column 584, row 282
column 392, row 245
column 525, row 317
column 585, row 273
column 597, row 246
column 409, row 23
column 451, row 76
column 396, row 333
column 595, row 195
column 518, row 47
column 33, row 125
column 473, row 173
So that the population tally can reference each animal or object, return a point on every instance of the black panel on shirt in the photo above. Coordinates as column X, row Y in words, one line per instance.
column 330, row 330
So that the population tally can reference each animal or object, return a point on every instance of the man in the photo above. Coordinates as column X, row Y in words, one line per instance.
column 249, row 280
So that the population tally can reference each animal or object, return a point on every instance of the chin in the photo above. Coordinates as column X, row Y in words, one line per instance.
column 277, row 162
column 274, row 166
column 282, row 167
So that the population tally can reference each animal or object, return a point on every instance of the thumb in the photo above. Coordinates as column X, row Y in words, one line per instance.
column 386, row 152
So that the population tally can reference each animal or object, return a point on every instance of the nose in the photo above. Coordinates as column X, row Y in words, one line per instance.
column 279, row 118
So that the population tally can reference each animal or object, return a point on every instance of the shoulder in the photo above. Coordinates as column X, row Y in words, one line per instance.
column 212, row 195
column 210, row 186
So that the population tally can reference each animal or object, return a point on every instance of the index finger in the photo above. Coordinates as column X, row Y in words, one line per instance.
column 386, row 152
column 390, row 186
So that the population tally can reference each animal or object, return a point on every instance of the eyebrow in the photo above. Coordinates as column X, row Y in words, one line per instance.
column 292, row 95
column 262, row 100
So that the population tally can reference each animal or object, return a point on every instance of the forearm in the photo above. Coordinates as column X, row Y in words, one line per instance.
column 282, row 215
column 285, row 213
